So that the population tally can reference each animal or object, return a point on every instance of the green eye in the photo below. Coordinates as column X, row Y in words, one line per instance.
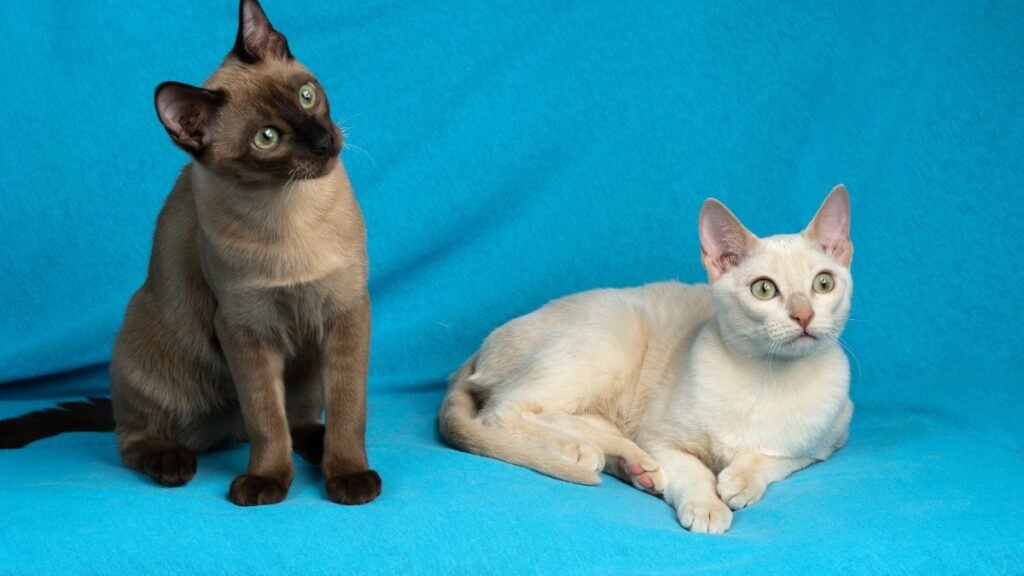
column 824, row 282
column 307, row 96
column 763, row 289
column 266, row 138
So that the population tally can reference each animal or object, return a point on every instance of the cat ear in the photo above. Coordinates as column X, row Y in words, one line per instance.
column 724, row 242
column 257, row 40
column 185, row 112
column 830, row 228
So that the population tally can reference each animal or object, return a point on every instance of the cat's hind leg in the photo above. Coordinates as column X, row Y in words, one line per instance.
column 163, row 444
column 489, row 400
column 304, row 404
column 165, row 447
column 521, row 421
column 167, row 462
column 146, row 439
column 624, row 458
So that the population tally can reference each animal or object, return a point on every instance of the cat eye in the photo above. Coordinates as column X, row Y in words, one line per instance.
column 307, row 96
column 763, row 289
column 824, row 282
column 266, row 138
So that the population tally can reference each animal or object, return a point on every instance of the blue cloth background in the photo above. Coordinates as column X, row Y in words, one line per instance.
column 509, row 153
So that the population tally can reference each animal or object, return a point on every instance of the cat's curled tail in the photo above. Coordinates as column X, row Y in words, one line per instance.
column 91, row 415
column 462, row 429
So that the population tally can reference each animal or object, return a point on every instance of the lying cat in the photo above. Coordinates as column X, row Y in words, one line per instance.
column 255, row 310
column 704, row 394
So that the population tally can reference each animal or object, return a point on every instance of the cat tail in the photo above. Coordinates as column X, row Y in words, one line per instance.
column 460, row 427
column 92, row 415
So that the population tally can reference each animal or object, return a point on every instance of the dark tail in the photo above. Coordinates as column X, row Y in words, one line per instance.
column 92, row 415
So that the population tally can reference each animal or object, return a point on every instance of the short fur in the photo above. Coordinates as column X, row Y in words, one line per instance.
column 92, row 415
column 254, row 316
column 701, row 394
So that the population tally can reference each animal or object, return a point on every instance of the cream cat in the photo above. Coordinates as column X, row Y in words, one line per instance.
column 704, row 394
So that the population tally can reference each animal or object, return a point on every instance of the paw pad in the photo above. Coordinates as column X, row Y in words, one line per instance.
column 648, row 479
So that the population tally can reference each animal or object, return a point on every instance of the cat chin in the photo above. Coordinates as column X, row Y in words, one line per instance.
column 800, row 345
column 317, row 172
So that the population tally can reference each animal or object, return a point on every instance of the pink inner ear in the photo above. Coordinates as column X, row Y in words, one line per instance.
column 830, row 228
column 185, row 110
column 723, row 239
column 177, row 112
column 842, row 251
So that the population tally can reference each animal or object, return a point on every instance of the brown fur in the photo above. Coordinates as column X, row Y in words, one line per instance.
column 255, row 311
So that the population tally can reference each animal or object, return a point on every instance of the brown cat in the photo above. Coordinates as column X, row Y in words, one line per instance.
column 255, row 315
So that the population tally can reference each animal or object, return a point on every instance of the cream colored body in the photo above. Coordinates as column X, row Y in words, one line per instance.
column 657, row 376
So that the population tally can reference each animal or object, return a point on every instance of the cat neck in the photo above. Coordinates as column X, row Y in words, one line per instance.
column 769, row 368
column 265, row 212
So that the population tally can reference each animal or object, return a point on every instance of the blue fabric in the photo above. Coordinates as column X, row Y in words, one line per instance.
column 506, row 154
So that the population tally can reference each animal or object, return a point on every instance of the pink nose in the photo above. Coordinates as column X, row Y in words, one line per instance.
column 802, row 316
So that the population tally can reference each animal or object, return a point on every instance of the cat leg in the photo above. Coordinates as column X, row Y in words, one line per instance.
column 258, row 371
column 167, row 462
column 623, row 457
column 145, row 435
column 304, row 405
column 308, row 442
column 743, row 482
column 527, row 423
column 345, row 359
column 690, row 489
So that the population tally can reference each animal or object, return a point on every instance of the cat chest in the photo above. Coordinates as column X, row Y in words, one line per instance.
column 793, row 421
column 293, row 264
column 295, row 313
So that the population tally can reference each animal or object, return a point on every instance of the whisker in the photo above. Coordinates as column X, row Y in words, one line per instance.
column 856, row 361
column 361, row 151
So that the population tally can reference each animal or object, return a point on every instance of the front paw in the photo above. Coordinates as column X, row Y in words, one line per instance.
column 253, row 490
column 740, row 489
column 643, row 474
column 705, row 516
column 356, row 488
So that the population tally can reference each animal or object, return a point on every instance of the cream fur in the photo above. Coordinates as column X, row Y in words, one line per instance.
column 713, row 393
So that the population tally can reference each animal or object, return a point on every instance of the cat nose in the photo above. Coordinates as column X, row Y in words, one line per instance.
column 324, row 145
column 802, row 316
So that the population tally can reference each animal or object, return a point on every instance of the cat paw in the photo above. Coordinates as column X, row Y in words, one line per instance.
column 705, row 516
column 585, row 454
column 644, row 474
column 169, row 466
column 356, row 488
column 253, row 490
column 739, row 489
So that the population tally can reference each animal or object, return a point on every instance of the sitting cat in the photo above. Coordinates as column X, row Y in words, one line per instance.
column 255, row 315
column 704, row 394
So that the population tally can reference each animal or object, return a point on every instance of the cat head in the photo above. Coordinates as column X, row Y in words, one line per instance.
column 786, row 295
column 262, row 117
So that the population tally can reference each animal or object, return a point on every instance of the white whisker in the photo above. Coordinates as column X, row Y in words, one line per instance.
column 361, row 151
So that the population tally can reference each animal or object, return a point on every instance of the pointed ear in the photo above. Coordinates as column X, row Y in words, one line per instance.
column 185, row 112
column 830, row 228
column 257, row 39
column 724, row 242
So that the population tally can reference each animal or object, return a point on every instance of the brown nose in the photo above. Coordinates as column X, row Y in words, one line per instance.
column 802, row 316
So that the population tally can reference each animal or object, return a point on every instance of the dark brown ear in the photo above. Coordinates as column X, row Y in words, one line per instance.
column 185, row 112
column 257, row 40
